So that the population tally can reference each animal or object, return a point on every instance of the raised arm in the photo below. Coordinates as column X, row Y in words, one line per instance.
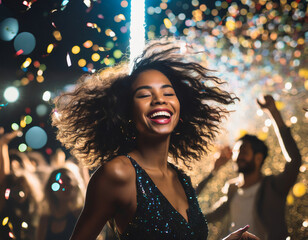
column 225, row 156
column 5, row 139
column 108, row 193
column 287, row 178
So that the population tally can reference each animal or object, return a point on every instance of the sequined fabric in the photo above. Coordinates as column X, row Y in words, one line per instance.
column 155, row 217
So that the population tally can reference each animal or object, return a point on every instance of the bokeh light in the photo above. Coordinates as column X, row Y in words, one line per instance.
column 75, row 49
column 46, row 96
column 24, row 41
column 8, row 29
column 22, row 147
column 15, row 126
column 41, row 110
column 11, row 94
column 55, row 187
column 36, row 137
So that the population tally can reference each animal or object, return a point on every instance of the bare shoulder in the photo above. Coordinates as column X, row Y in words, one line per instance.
column 117, row 171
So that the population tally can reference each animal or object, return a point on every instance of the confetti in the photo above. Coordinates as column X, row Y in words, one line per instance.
column 68, row 60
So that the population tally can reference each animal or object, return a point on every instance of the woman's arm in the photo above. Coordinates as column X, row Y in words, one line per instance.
column 107, row 193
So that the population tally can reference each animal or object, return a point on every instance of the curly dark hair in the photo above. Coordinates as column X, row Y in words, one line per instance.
column 93, row 120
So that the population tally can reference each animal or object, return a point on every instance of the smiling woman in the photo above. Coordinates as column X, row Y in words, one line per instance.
column 128, row 125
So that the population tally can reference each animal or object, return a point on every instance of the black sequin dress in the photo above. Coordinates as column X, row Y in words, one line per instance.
column 156, row 218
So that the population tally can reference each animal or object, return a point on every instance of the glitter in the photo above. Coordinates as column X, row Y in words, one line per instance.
column 24, row 225
column 5, row 221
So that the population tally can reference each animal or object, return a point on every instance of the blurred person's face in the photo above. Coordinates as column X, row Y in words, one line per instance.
column 64, row 185
column 244, row 157
column 156, row 108
column 18, row 192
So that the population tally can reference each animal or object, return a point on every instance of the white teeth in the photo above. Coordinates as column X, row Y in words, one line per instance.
column 161, row 113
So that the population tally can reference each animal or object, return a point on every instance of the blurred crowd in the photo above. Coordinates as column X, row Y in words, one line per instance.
column 40, row 198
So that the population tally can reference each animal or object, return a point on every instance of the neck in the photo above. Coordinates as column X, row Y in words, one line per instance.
column 152, row 153
column 251, row 178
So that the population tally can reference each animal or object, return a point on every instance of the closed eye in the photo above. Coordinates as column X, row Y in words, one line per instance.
column 143, row 96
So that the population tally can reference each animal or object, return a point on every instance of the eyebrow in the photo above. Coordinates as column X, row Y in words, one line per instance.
column 149, row 87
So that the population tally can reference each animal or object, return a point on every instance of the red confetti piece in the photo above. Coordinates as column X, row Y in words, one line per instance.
column 19, row 52
column 7, row 193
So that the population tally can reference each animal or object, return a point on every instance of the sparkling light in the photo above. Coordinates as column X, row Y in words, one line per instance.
column 293, row 119
column 46, row 96
column 5, row 221
column 11, row 94
column 14, row 126
column 22, row 147
column 55, row 186
column 24, row 225
column 260, row 112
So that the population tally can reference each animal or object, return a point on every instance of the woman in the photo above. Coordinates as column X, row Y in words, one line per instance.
column 129, row 124
column 63, row 203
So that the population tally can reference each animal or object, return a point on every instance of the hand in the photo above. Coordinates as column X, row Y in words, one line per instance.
column 57, row 160
column 225, row 156
column 241, row 234
column 267, row 102
column 6, row 138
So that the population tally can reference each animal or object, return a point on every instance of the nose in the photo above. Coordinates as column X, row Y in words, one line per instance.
column 158, row 99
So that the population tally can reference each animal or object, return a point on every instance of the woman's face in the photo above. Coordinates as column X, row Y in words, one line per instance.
column 156, row 108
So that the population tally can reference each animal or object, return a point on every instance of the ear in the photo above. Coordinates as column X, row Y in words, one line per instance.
column 258, row 159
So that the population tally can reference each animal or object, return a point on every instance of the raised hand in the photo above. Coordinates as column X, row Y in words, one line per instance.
column 225, row 156
column 6, row 138
column 241, row 234
column 267, row 102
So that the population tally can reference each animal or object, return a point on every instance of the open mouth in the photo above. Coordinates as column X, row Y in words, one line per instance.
column 160, row 116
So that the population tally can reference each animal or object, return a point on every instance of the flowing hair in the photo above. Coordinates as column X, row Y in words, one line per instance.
column 94, row 120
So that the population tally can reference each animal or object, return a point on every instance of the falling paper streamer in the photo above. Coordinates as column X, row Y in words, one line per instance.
column 68, row 60
column 64, row 4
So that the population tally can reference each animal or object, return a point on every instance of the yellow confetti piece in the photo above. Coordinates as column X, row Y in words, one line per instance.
column 57, row 35
column 50, row 48
column 22, row 124
column 5, row 221
column 27, row 63
column 10, row 226
column 280, row 105
column 167, row 23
